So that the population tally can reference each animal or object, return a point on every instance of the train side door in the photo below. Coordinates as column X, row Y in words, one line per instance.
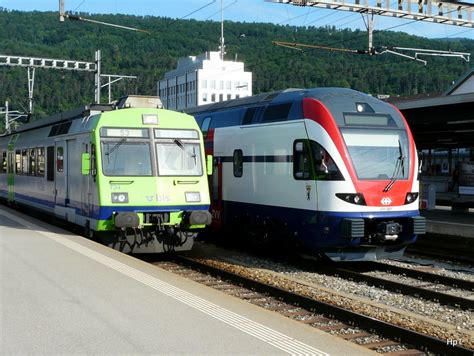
column 61, row 173
column 215, row 187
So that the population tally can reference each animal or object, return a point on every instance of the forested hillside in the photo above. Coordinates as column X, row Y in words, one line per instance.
column 149, row 56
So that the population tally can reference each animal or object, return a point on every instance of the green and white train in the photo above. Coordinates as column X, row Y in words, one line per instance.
column 131, row 174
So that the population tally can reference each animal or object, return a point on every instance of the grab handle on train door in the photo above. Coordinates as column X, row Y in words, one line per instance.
column 121, row 181
column 185, row 182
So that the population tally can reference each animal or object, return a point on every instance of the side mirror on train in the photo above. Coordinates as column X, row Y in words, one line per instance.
column 86, row 164
column 209, row 164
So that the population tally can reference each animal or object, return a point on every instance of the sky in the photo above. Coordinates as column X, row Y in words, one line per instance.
column 243, row 11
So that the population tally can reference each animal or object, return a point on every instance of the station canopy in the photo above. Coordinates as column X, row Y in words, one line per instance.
column 442, row 120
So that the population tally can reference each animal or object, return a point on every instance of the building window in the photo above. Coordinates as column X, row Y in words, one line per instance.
column 213, row 98
column 213, row 84
column 221, row 84
column 229, row 96
column 221, row 97
column 204, row 97
column 204, row 84
column 228, row 84
column 237, row 96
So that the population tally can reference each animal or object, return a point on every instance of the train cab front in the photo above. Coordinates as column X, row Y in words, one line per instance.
column 372, row 212
column 153, row 189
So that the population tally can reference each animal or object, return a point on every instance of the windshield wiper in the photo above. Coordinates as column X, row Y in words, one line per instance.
column 180, row 145
column 399, row 168
column 117, row 145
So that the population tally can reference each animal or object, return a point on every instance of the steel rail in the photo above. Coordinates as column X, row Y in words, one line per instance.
column 382, row 328
column 402, row 288
column 420, row 275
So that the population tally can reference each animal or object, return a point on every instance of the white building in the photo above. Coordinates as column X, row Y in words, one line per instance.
column 204, row 79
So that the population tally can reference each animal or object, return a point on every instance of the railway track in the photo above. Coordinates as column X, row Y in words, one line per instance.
column 369, row 332
column 428, row 290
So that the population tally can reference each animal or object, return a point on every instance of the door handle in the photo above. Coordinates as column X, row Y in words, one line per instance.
column 185, row 182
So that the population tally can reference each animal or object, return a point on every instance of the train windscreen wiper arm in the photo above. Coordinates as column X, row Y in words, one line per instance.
column 399, row 168
column 180, row 145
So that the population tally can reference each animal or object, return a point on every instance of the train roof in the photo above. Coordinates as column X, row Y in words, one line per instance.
column 82, row 111
column 325, row 95
column 128, row 101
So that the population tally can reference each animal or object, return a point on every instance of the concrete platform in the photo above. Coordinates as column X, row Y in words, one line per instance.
column 63, row 294
column 444, row 221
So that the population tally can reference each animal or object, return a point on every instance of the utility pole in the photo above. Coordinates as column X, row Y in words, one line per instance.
column 97, row 76
column 31, row 63
column 222, row 46
column 7, row 121
column 15, row 115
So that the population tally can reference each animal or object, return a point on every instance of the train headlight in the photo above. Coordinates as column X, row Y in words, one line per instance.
column 149, row 119
column 119, row 198
column 353, row 198
column 411, row 197
column 193, row 197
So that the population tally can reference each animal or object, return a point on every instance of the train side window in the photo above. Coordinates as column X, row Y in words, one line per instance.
column 324, row 166
column 60, row 159
column 93, row 161
column 18, row 162
column 24, row 161
column 238, row 163
column 205, row 125
column 3, row 166
column 248, row 117
column 278, row 112
column 50, row 163
column 32, row 161
column 40, row 161
column 301, row 160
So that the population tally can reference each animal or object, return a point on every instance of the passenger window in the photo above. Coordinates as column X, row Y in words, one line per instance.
column 248, row 117
column 32, row 162
column 60, row 159
column 238, row 163
column 18, row 162
column 40, row 158
column 301, row 160
column 277, row 112
column 3, row 166
column 24, row 161
column 205, row 125
column 50, row 163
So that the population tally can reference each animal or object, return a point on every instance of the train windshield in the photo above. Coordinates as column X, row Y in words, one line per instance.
column 123, row 158
column 179, row 158
column 378, row 154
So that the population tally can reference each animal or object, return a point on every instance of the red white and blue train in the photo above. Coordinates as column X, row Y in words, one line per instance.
column 332, row 169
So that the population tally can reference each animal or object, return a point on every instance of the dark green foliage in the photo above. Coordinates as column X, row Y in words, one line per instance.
column 149, row 57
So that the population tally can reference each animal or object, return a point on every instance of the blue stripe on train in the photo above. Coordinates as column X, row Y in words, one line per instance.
column 105, row 212
column 314, row 229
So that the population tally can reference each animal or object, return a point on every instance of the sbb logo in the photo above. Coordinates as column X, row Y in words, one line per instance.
column 386, row 201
